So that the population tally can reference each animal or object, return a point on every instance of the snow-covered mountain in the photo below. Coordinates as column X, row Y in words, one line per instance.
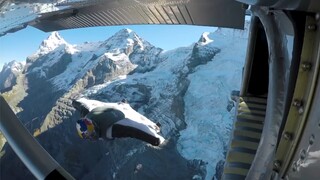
column 9, row 73
column 186, row 89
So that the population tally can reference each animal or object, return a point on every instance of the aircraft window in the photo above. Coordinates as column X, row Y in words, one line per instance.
column 183, row 86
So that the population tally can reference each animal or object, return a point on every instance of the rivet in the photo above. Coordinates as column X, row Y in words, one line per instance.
column 287, row 136
column 297, row 103
column 312, row 27
column 312, row 138
column 306, row 66
column 277, row 165
column 300, row 110
column 294, row 166
column 303, row 154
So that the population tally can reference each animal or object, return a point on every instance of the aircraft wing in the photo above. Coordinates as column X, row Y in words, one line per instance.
column 78, row 14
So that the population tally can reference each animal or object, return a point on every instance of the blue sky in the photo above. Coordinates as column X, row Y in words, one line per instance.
column 19, row 45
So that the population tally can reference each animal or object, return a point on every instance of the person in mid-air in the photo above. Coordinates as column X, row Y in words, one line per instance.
column 114, row 120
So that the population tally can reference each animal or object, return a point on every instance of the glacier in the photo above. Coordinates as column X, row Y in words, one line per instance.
column 208, row 122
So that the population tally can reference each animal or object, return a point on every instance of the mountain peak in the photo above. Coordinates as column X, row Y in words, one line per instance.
column 14, row 66
column 125, row 31
column 9, row 73
column 205, row 39
column 126, row 38
column 127, row 34
column 52, row 42
column 55, row 36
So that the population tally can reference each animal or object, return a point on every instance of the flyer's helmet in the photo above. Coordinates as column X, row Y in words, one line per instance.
column 85, row 129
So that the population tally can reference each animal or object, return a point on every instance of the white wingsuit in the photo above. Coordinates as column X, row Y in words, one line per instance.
column 130, row 124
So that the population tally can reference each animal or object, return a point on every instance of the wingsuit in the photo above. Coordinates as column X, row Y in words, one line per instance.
column 100, row 120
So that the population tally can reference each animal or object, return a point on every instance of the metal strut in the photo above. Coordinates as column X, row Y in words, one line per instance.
column 32, row 154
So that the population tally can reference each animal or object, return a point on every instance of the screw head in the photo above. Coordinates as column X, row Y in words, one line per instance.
column 294, row 166
column 287, row 136
column 277, row 165
column 296, row 103
column 300, row 110
column 303, row 154
column 312, row 27
column 306, row 66
column 312, row 138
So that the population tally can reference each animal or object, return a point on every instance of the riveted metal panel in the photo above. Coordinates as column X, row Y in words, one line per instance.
column 302, row 99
